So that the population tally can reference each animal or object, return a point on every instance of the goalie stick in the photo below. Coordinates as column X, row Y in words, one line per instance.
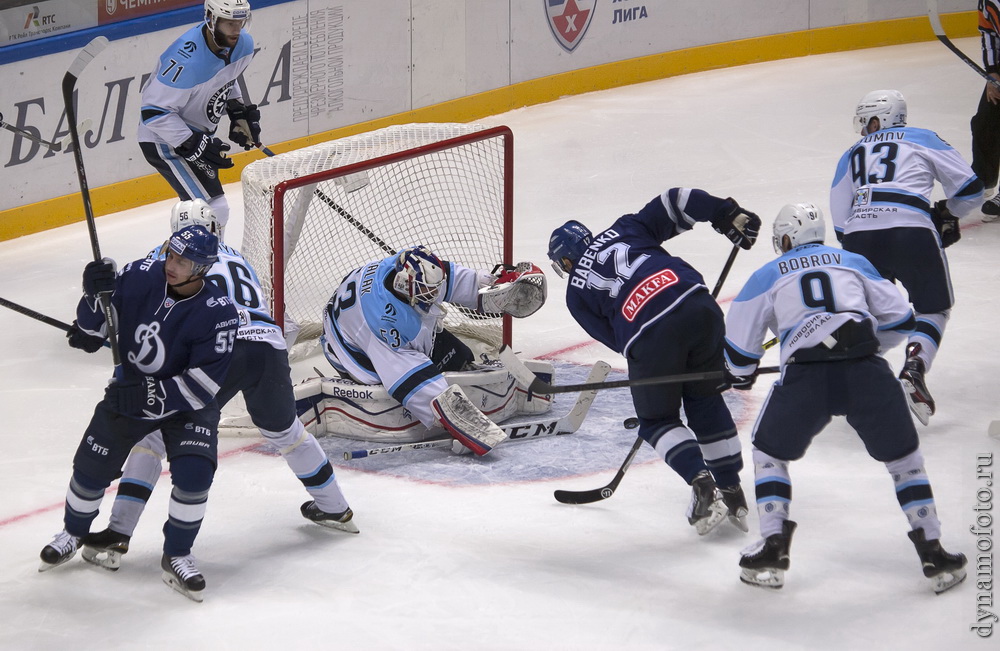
column 86, row 55
column 604, row 492
column 528, row 431
column 935, row 18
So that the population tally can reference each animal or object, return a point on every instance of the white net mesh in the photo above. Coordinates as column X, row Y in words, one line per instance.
column 446, row 186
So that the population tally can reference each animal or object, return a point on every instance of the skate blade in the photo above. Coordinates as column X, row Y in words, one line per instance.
column 348, row 526
column 108, row 559
column 739, row 520
column 920, row 409
column 716, row 513
column 947, row 580
column 175, row 583
column 770, row 578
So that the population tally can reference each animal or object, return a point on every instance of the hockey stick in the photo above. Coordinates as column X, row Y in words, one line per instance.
column 529, row 380
column 932, row 15
column 725, row 271
column 38, row 316
column 528, row 431
column 54, row 146
column 604, row 492
column 85, row 56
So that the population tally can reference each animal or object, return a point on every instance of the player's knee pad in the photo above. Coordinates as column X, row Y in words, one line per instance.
column 288, row 439
column 708, row 415
column 220, row 206
column 192, row 473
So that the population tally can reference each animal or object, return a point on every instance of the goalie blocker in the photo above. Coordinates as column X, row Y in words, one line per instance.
column 340, row 407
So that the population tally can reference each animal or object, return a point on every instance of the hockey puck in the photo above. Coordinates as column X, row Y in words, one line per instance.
column 631, row 423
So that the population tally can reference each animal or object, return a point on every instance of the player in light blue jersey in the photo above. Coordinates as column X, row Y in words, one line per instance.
column 881, row 208
column 384, row 325
column 832, row 312
column 175, row 333
column 192, row 86
column 654, row 308
column 260, row 371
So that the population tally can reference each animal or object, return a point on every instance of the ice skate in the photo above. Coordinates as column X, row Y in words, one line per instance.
column 181, row 574
column 912, row 377
column 764, row 563
column 339, row 521
column 944, row 570
column 991, row 209
column 736, row 503
column 706, row 509
column 62, row 548
column 105, row 549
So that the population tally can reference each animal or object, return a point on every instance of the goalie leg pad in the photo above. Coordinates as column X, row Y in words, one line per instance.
column 462, row 420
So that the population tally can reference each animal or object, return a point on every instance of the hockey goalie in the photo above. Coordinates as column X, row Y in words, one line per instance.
column 403, row 376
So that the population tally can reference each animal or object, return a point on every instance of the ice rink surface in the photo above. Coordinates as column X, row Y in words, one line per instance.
column 458, row 553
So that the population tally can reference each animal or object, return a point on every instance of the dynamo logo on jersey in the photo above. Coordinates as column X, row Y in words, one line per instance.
column 569, row 20
column 152, row 352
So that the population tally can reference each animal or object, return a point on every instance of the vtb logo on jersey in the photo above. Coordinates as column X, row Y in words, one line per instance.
column 569, row 20
column 149, row 358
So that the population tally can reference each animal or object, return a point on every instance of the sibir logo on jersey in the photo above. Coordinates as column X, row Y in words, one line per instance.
column 152, row 352
column 217, row 104
column 569, row 20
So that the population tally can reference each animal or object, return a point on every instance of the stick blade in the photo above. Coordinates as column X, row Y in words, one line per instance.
column 584, row 497
column 86, row 55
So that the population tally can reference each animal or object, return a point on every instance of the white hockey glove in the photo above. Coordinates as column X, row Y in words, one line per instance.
column 519, row 291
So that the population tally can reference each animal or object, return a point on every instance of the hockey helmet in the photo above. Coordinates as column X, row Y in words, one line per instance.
column 420, row 276
column 228, row 9
column 196, row 244
column 886, row 105
column 193, row 213
column 801, row 222
column 569, row 241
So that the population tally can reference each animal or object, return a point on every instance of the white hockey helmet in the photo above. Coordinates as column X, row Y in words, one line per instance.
column 228, row 9
column 886, row 105
column 420, row 276
column 802, row 223
column 193, row 213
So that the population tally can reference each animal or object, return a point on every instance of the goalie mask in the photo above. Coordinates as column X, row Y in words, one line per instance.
column 193, row 213
column 886, row 105
column 196, row 244
column 420, row 276
column 802, row 223
column 567, row 243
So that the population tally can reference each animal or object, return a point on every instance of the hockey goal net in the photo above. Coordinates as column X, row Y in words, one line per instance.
column 315, row 214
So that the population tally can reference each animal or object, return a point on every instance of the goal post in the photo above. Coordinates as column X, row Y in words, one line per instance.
column 315, row 214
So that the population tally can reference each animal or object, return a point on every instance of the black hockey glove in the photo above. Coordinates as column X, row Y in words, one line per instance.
column 739, row 225
column 741, row 382
column 203, row 148
column 79, row 339
column 99, row 277
column 129, row 397
column 945, row 223
column 244, row 124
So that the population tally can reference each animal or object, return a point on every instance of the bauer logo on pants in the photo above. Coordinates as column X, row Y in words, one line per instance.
column 569, row 20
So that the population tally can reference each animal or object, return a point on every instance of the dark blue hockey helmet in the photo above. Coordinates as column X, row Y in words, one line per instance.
column 568, row 242
column 199, row 246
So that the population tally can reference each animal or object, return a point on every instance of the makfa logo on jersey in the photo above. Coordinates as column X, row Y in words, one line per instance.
column 569, row 20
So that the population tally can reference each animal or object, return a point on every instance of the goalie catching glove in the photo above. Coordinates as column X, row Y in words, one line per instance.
column 519, row 291
column 739, row 225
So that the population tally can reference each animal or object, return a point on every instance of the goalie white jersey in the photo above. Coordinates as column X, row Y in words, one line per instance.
column 188, row 88
column 885, row 180
column 834, row 286
column 374, row 337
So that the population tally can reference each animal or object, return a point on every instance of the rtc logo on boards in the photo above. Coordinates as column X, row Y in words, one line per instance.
column 569, row 20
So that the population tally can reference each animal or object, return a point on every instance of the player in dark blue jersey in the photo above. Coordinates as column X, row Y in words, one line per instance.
column 628, row 293
column 175, row 333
